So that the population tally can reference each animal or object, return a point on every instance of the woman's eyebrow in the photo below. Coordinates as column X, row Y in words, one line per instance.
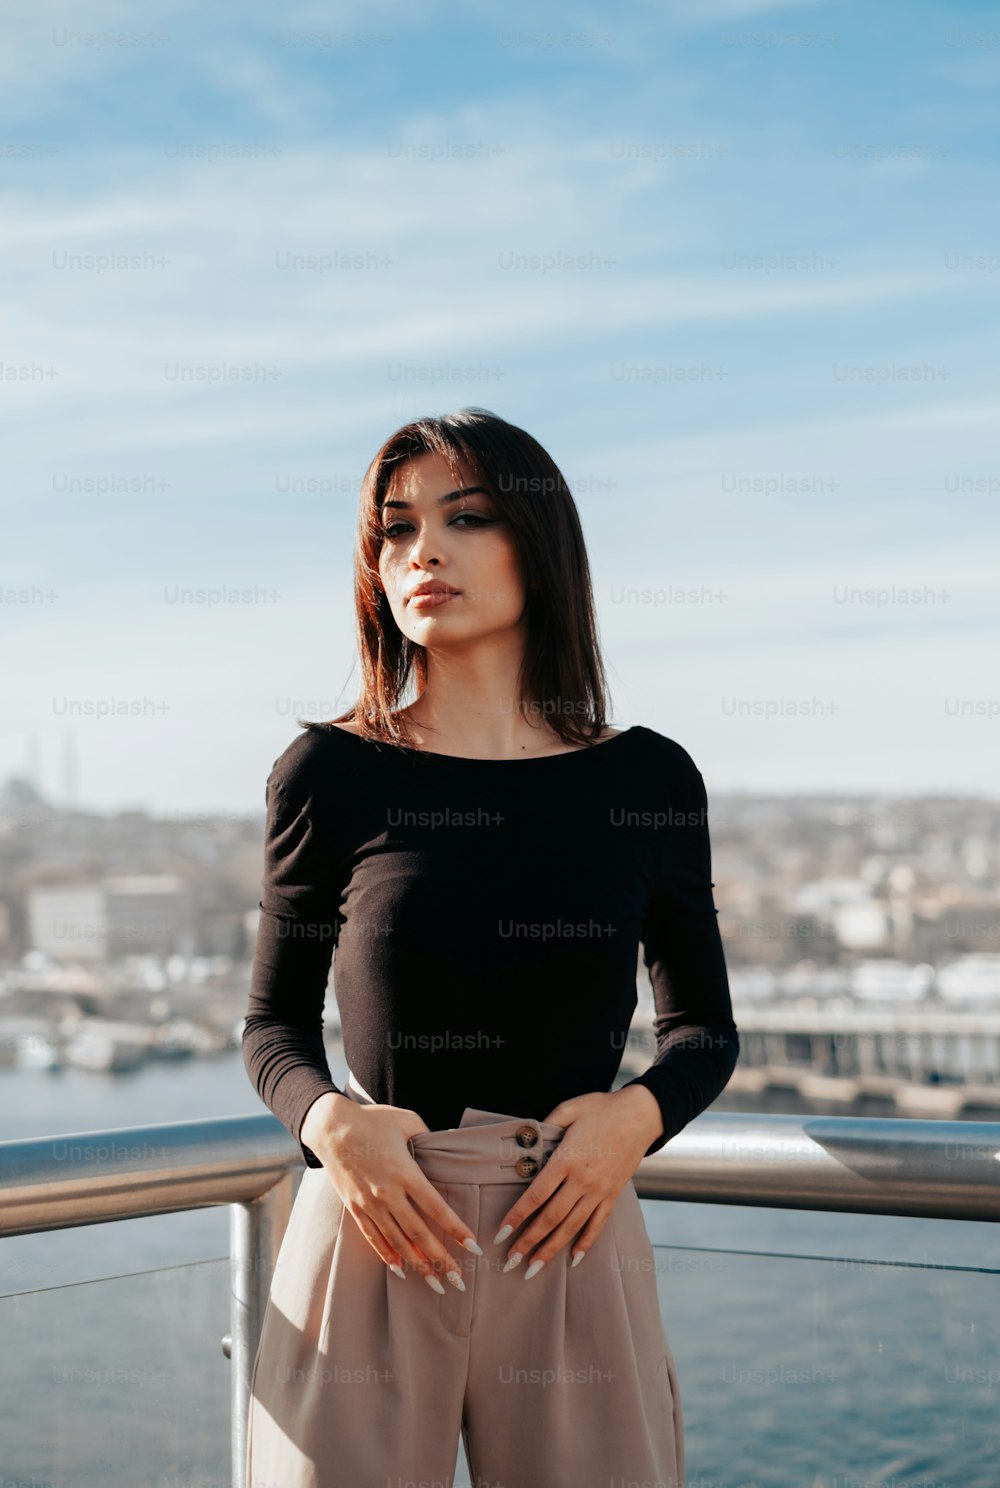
column 449, row 496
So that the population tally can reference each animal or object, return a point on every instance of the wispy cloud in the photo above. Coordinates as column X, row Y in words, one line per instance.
column 654, row 253
column 708, row 12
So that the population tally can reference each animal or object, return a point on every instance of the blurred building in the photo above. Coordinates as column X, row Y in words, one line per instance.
column 115, row 916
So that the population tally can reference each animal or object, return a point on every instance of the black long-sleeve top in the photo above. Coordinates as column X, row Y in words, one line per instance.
column 483, row 920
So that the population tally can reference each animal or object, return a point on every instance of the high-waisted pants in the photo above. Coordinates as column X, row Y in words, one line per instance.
column 363, row 1380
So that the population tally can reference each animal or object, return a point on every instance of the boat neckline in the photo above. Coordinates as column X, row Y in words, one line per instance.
column 465, row 759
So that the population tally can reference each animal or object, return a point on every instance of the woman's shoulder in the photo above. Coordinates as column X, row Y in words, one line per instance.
column 303, row 766
column 669, row 755
column 347, row 727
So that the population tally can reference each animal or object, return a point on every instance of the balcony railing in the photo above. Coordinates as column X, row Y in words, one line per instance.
column 938, row 1169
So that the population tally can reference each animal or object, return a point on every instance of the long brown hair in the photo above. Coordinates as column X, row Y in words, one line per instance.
column 561, row 676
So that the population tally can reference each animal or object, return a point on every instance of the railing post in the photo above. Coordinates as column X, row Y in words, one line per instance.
column 255, row 1234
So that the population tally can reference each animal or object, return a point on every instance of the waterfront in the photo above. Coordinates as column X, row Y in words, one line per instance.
column 796, row 1372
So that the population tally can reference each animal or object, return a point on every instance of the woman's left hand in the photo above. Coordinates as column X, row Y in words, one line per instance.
column 607, row 1134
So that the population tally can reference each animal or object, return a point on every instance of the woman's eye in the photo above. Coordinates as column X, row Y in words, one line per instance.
column 472, row 517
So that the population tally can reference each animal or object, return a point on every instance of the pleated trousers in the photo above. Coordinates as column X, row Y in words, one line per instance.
column 363, row 1380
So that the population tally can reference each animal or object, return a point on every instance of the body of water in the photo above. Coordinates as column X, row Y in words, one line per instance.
column 814, row 1350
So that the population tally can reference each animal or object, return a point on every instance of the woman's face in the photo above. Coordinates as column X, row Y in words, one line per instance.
column 463, row 542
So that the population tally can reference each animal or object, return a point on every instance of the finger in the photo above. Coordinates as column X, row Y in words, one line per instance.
column 394, row 1246
column 588, row 1235
column 378, row 1241
column 430, row 1202
column 538, row 1190
column 583, row 1216
column 545, row 1222
column 413, row 1253
column 425, row 1251
column 409, row 1254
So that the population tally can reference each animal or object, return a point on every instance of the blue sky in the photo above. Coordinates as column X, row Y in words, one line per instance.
column 773, row 385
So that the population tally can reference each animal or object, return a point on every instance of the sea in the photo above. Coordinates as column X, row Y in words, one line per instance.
column 813, row 1350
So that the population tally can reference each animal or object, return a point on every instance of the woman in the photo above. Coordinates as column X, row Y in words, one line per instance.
column 486, row 860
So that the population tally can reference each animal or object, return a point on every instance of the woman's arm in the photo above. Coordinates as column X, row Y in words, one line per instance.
column 283, row 1048
column 697, row 1044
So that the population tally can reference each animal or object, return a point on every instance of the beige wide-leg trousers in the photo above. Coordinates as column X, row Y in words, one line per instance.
column 362, row 1380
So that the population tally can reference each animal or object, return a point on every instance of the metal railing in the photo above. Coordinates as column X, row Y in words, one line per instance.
column 941, row 1169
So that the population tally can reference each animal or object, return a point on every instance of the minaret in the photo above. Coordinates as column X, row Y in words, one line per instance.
column 69, row 768
column 33, row 761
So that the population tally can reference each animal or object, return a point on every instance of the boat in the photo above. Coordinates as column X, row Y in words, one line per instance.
column 971, row 978
column 36, row 1052
column 105, row 1052
column 886, row 979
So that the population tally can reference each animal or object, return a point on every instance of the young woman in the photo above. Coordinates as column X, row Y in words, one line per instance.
column 486, row 860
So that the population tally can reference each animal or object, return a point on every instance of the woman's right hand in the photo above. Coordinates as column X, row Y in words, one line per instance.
column 364, row 1151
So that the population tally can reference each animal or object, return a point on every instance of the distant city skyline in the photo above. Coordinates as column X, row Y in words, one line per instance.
column 55, row 781
column 733, row 262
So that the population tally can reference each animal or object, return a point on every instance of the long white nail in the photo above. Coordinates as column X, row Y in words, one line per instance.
column 432, row 1281
column 578, row 1256
column 470, row 1244
column 514, row 1259
column 456, row 1280
column 399, row 1271
column 533, row 1269
column 501, row 1235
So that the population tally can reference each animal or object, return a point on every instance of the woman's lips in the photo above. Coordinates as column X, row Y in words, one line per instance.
column 428, row 601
